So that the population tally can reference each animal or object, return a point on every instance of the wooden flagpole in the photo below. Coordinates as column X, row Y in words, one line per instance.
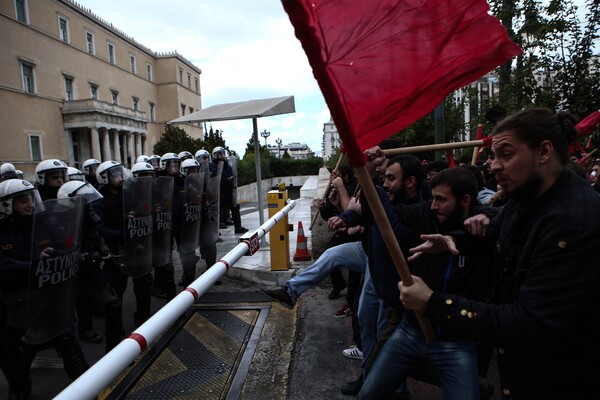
column 434, row 147
column 383, row 222
column 327, row 190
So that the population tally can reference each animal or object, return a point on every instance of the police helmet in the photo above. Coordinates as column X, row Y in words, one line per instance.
column 75, row 174
column 142, row 158
column 185, row 155
column 78, row 188
column 51, row 165
column 19, row 173
column 109, row 167
column 186, row 165
column 218, row 150
column 202, row 155
column 90, row 165
column 154, row 160
column 8, row 171
column 142, row 169
column 167, row 158
column 14, row 188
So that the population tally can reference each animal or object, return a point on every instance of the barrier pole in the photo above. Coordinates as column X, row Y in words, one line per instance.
column 105, row 370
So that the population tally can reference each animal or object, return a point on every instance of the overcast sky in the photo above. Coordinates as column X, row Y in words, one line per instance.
column 246, row 50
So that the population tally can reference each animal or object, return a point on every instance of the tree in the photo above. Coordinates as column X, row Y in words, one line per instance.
column 214, row 138
column 174, row 139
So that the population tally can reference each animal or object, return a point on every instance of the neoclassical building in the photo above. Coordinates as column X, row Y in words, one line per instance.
column 73, row 87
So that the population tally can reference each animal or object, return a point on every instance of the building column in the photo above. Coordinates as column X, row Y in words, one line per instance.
column 144, row 140
column 69, row 142
column 106, row 145
column 116, row 146
column 95, row 139
column 138, row 143
column 130, row 148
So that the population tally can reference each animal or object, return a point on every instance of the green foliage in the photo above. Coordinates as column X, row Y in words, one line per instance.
column 214, row 138
column 274, row 167
column 174, row 139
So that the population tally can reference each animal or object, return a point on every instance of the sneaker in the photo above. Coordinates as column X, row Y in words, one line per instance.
column 280, row 295
column 241, row 229
column 343, row 312
column 229, row 222
column 352, row 388
column 353, row 352
column 222, row 226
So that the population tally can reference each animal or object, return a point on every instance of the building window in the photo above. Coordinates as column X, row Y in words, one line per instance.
column 189, row 81
column 183, row 109
column 69, row 89
column 35, row 147
column 114, row 97
column 21, row 10
column 149, row 72
column 132, row 66
column 28, row 78
column 89, row 40
column 63, row 29
column 181, row 76
column 152, row 112
column 191, row 110
column 111, row 53
column 196, row 85
column 94, row 91
column 136, row 103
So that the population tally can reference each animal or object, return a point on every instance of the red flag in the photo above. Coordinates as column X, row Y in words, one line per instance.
column 588, row 124
column 479, row 135
column 450, row 157
column 382, row 65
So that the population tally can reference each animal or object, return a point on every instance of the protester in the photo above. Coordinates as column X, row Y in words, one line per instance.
column 544, row 317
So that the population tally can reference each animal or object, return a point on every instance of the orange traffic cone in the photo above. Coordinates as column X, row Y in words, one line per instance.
column 302, row 253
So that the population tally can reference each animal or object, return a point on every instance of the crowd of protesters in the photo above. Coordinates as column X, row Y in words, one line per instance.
column 504, row 259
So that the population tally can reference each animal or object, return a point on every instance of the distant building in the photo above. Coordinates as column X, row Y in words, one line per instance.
column 297, row 151
column 73, row 87
column 331, row 139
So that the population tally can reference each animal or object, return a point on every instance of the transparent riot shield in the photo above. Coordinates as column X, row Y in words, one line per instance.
column 211, row 223
column 233, row 163
column 163, row 220
column 205, row 169
column 55, row 251
column 138, row 216
column 191, row 212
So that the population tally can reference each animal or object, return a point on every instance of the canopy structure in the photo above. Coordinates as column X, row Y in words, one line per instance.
column 243, row 110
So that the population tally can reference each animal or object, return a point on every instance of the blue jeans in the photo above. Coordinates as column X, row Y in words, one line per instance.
column 454, row 360
column 371, row 318
column 347, row 255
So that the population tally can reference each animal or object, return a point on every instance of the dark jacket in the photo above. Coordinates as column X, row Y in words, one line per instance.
column 545, row 319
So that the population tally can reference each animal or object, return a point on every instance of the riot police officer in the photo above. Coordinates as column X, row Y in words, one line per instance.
column 111, row 225
column 25, row 325
column 50, row 176
column 89, row 169
column 227, row 186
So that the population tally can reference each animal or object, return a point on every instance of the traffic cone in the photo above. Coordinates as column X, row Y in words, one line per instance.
column 302, row 253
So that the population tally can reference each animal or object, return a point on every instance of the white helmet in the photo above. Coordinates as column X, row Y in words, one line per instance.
column 168, row 157
column 202, row 155
column 90, row 165
column 112, row 167
column 78, row 188
column 154, row 160
column 19, row 173
column 142, row 158
column 186, row 165
column 218, row 150
column 47, row 166
column 142, row 169
column 185, row 155
column 75, row 174
column 13, row 188
column 8, row 171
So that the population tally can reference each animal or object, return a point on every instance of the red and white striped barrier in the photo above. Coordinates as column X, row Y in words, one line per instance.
column 103, row 372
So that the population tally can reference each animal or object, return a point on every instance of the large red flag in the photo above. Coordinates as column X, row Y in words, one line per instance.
column 381, row 65
column 588, row 124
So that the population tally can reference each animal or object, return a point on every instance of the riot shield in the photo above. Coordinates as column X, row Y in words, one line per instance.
column 191, row 212
column 137, row 214
column 233, row 163
column 211, row 221
column 205, row 169
column 55, row 252
column 163, row 220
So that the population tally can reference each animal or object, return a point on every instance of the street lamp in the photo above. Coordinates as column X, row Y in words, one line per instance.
column 278, row 141
column 265, row 134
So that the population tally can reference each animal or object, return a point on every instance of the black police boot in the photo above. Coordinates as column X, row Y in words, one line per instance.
column 113, row 323
column 69, row 350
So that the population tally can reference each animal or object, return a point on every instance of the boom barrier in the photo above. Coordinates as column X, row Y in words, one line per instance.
column 103, row 372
